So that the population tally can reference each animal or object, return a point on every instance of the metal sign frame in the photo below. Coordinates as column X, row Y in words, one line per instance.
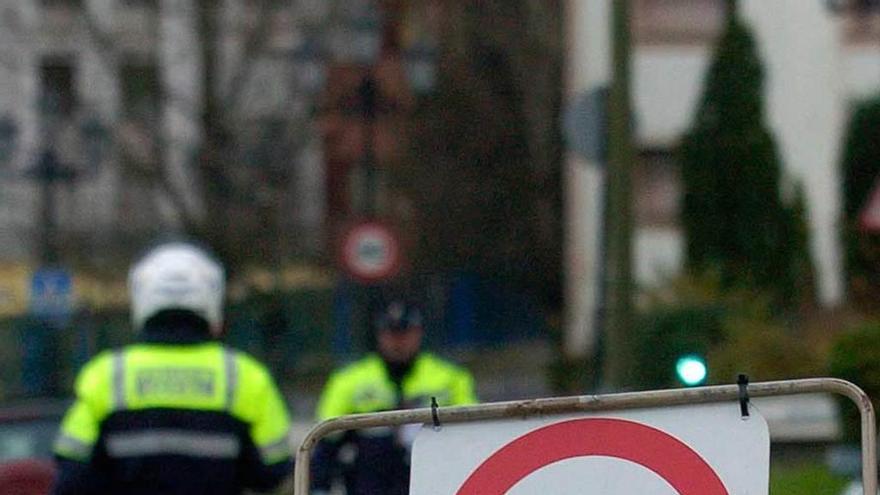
column 591, row 403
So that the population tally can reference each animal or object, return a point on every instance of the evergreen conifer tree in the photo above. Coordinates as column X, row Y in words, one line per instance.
column 861, row 168
column 734, row 218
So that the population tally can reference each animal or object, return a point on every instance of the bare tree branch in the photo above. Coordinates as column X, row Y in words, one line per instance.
column 107, row 50
column 147, row 164
column 225, row 188
column 255, row 43
column 105, row 43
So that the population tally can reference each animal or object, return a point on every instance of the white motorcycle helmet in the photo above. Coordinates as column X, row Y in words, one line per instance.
column 177, row 275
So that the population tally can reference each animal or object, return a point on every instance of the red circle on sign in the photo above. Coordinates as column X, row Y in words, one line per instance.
column 649, row 447
column 371, row 252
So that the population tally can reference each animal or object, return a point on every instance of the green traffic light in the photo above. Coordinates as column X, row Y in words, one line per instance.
column 691, row 370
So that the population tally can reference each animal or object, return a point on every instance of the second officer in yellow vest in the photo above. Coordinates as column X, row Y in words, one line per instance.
column 177, row 413
column 398, row 376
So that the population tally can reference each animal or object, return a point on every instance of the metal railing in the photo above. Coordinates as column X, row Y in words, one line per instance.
column 591, row 403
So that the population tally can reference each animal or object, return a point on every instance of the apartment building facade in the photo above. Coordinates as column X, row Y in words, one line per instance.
column 134, row 68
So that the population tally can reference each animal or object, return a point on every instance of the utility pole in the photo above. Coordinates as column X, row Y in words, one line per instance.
column 587, row 77
column 370, row 98
column 619, row 286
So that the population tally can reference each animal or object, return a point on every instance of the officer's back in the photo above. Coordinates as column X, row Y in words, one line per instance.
column 176, row 412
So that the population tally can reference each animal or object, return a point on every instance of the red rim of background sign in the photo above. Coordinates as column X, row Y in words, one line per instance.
column 349, row 246
column 665, row 455
column 869, row 216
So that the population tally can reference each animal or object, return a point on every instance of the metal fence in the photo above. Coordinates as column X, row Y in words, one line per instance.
column 585, row 403
column 296, row 333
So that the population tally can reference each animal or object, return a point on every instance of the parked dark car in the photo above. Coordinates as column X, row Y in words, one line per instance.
column 27, row 432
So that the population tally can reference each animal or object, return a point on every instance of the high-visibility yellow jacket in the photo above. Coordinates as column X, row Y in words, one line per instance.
column 382, row 462
column 366, row 386
column 174, row 418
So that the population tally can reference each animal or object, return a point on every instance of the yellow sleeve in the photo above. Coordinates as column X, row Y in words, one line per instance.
column 463, row 389
column 335, row 399
column 80, row 427
column 261, row 404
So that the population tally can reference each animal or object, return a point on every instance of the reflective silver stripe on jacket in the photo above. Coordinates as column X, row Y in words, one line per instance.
column 231, row 366
column 173, row 442
column 276, row 451
column 68, row 446
column 118, row 381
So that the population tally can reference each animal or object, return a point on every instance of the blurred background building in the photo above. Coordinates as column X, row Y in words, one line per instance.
column 451, row 133
column 299, row 118
column 133, row 67
column 268, row 128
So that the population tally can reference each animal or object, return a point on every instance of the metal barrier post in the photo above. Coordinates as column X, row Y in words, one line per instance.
column 592, row 403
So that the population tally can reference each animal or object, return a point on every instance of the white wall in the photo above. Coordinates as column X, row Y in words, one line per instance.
column 801, row 47
column 659, row 255
column 667, row 84
column 861, row 71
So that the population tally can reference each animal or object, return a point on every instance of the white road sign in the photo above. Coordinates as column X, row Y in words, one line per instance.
column 371, row 252
column 686, row 450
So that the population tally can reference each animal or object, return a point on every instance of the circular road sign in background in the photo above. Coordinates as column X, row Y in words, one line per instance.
column 371, row 252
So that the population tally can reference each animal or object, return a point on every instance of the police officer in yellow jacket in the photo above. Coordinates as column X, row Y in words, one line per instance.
column 177, row 413
column 398, row 376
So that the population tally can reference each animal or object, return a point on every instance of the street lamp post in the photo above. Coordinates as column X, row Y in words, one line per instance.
column 51, row 285
column 419, row 62
column 368, row 94
column 48, row 172
column 358, row 42
column 361, row 40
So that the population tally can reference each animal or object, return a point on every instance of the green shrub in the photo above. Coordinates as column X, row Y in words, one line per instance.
column 860, row 168
column 685, row 317
column 763, row 349
column 735, row 330
column 666, row 334
column 855, row 356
